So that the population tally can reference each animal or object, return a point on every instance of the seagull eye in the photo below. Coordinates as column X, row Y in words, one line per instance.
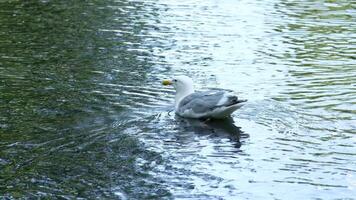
column 174, row 80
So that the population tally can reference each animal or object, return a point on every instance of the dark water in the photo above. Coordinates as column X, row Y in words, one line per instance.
column 83, row 114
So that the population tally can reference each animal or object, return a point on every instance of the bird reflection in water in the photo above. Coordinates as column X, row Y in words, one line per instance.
column 224, row 128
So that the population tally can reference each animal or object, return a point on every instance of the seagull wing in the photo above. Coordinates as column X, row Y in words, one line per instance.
column 205, row 102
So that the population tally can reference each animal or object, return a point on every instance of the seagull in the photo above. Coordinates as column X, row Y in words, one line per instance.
column 211, row 104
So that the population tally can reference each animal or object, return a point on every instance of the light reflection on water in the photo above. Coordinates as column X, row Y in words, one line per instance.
column 93, row 120
column 297, row 70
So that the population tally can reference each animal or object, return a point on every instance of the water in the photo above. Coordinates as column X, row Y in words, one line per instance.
column 83, row 113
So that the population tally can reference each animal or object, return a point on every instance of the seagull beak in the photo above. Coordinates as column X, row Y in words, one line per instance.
column 166, row 82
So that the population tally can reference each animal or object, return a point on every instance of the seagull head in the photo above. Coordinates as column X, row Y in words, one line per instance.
column 182, row 84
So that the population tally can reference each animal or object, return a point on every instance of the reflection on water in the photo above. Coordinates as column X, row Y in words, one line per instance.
column 213, row 128
column 83, row 114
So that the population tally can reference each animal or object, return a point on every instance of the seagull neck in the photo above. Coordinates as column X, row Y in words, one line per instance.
column 181, row 94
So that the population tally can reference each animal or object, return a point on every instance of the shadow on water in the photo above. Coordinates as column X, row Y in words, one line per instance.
column 224, row 128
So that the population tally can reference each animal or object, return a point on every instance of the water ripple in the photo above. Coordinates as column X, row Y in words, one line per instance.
column 83, row 113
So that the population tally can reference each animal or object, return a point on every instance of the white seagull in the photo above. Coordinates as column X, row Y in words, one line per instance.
column 216, row 103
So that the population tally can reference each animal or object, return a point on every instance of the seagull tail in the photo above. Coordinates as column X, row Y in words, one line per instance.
column 233, row 100
column 241, row 101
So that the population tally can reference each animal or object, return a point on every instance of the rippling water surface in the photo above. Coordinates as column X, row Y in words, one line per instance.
column 83, row 113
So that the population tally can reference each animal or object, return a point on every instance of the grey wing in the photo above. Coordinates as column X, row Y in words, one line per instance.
column 202, row 102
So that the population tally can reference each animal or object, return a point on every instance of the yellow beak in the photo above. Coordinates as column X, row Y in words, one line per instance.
column 167, row 82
